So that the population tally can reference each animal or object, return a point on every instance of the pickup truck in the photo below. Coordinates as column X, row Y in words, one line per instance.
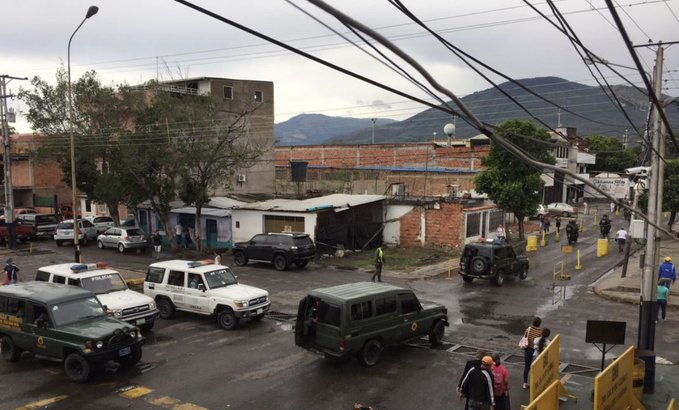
column 23, row 233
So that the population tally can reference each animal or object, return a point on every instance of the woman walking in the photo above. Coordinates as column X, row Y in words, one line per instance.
column 532, row 332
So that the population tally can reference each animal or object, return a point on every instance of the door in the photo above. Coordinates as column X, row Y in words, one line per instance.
column 211, row 233
column 196, row 294
column 259, row 248
column 302, row 323
column 410, row 311
column 144, row 221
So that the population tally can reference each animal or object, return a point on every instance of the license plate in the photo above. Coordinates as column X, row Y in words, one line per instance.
column 141, row 321
column 125, row 351
column 260, row 311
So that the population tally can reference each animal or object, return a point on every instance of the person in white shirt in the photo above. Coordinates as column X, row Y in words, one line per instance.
column 621, row 237
column 178, row 233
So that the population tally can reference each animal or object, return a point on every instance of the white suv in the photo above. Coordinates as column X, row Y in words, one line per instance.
column 64, row 232
column 121, row 302
column 205, row 288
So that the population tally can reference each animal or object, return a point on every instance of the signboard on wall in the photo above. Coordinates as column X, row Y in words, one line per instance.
column 617, row 187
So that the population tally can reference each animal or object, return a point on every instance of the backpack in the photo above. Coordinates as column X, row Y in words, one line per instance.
column 498, row 381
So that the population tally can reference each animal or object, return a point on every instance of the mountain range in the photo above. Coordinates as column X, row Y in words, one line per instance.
column 587, row 108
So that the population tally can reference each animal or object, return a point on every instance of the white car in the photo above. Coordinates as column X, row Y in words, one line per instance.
column 101, row 222
column 111, row 290
column 205, row 288
column 64, row 232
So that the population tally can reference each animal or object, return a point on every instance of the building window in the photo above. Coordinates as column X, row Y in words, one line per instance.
column 228, row 93
column 259, row 96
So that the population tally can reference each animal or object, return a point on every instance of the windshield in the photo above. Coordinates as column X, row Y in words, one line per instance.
column 220, row 278
column 65, row 225
column 134, row 232
column 108, row 282
column 76, row 310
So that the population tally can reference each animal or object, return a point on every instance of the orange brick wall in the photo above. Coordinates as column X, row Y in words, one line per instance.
column 444, row 226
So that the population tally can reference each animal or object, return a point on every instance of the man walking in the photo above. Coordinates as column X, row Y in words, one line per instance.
column 379, row 261
column 157, row 243
column 12, row 272
column 621, row 237
column 477, row 386
column 662, row 292
column 667, row 272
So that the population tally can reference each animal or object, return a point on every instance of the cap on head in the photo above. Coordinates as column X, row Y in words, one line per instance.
column 668, row 259
column 487, row 360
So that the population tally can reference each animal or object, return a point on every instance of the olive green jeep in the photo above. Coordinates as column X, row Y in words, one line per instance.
column 64, row 323
column 361, row 319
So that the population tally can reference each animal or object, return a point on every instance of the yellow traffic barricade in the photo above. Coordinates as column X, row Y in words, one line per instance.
column 602, row 247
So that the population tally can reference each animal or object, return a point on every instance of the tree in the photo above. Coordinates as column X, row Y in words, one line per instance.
column 512, row 184
column 611, row 155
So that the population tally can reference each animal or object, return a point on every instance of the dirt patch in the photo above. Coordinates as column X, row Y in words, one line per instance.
column 395, row 258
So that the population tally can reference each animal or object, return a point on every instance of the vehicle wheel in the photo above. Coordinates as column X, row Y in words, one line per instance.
column 436, row 333
column 479, row 265
column 165, row 308
column 257, row 318
column 227, row 320
column 100, row 244
column 239, row 259
column 77, row 368
column 132, row 359
column 280, row 263
column 121, row 248
column 371, row 352
column 467, row 278
column 523, row 274
column 59, row 243
column 301, row 264
column 499, row 278
column 10, row 351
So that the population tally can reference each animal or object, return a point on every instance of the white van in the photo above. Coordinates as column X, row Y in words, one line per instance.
column 121, row 302
column 205, row 288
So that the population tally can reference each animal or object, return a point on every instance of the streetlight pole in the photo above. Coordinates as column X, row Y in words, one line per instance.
column 374, row 120
column 449, row 130
column 91, row 11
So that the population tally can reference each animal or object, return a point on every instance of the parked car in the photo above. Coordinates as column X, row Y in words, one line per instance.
column 109, row 286
column 561, row 209
column 17, row 212
column 43, row 225
column 64, row 232
column 492, row 260
column 23, row 233
column 64, row 323
column 361, row 319
column 281, row 249
column 205, row 288
column 101, row 222
column 122, row 239
column 542, row 211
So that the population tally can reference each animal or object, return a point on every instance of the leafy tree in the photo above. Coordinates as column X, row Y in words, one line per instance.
column 611, row 155
column 512, row 184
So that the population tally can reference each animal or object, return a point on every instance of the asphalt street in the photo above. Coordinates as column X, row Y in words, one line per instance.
column 189, row 363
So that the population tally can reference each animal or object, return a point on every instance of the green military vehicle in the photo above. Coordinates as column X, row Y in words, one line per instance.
column 361, row 319
column 64, row 323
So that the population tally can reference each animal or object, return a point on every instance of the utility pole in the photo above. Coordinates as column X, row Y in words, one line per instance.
column 647, row 312
column 6, row 159
column 374, row 120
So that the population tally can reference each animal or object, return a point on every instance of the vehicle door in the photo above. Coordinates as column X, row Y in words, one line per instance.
column 500, row 259
column 302, row 322
column 38, row 330
column 386, row 314
column 12, row 312
column 176, row 288
column 410, row 309
column 257, row 248
column 324, row 327
column 88, row 229
column 512, row 262
column 197, row 299
column 110, row 237
column 153, row 284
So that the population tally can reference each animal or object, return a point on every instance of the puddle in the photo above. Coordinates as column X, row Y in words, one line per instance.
column 153, row 338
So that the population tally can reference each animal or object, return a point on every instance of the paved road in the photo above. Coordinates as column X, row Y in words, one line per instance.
column 190, row 363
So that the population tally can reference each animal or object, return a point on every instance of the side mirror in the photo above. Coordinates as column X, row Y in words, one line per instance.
column 201, row 287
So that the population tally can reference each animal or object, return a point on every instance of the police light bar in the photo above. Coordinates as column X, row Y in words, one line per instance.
column 84, row 267
column 203, row 262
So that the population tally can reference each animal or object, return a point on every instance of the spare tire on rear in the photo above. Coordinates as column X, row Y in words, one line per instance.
column 479, row 265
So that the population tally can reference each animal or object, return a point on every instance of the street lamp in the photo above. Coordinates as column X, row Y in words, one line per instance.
column 593, row 59
column 449, row 130
column 91, row 11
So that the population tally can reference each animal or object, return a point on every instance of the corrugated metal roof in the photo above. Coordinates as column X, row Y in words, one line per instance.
column 224, row 202
column 313, row 204
column 191, row 210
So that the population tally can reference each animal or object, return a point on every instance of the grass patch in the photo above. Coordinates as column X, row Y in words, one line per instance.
column 395, row 258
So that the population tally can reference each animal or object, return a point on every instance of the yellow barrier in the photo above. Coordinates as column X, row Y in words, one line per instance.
column 578, row 265
column 532, row 244
column 543, row 243
column 602, row 247
column 613, row 386
column 545, row 371
column 549, row 399
column 672, row 405
column 595, row 218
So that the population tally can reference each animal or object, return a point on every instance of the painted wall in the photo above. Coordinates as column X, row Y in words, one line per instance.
column 392, row 230
column 247, row 223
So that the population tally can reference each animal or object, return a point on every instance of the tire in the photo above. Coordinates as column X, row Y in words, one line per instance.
column 59, row 243
column 256, row 318
column 301, row 264
column 100, row 244
column 499, row 278
column 239, row 259
column 467, row 278
column 121, row 248
column 436, row 333
column 227, row 320
column 77, row 368
column 10, row 351
column 165, row 308
column 371, row 352
column 132, row 359
column 479, row 265
column 523, row 273
column 280, row 263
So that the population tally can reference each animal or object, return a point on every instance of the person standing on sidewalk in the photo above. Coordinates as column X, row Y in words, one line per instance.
column 667, row 272
column 500, row 383
column 379, row 261
column 157, row 243
column 472, row 363
column 477, row 386
column 557, row 223
column 532, row 332
column 621, row 237
column 545, row 223
column 12, row 272
column 663, row 291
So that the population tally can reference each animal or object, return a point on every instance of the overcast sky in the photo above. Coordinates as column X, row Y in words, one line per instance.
column 133, row 41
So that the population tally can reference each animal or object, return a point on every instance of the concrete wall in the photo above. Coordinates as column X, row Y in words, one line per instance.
column 438, row 224
column 392, row 229
column 246, row 223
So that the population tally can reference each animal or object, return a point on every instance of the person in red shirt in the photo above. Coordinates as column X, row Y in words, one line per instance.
column 500, row 383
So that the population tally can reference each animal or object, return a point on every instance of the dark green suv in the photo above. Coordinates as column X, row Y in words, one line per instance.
column 62, row 322
column 492, row 260
column 361, row 319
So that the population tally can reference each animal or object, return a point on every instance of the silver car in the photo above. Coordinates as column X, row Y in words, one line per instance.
column 101, row 222
column 122, row 238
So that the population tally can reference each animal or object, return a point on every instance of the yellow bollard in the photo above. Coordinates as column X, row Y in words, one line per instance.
column 582, row 224
column 532, row 243
column 617, row 211
column 602, row 247
column 595, row 221
column 543, row 243
column 557, row 236
column 30, row 248
column 578, row 265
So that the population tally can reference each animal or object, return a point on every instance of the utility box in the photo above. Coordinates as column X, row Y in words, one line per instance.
column 637, row 230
